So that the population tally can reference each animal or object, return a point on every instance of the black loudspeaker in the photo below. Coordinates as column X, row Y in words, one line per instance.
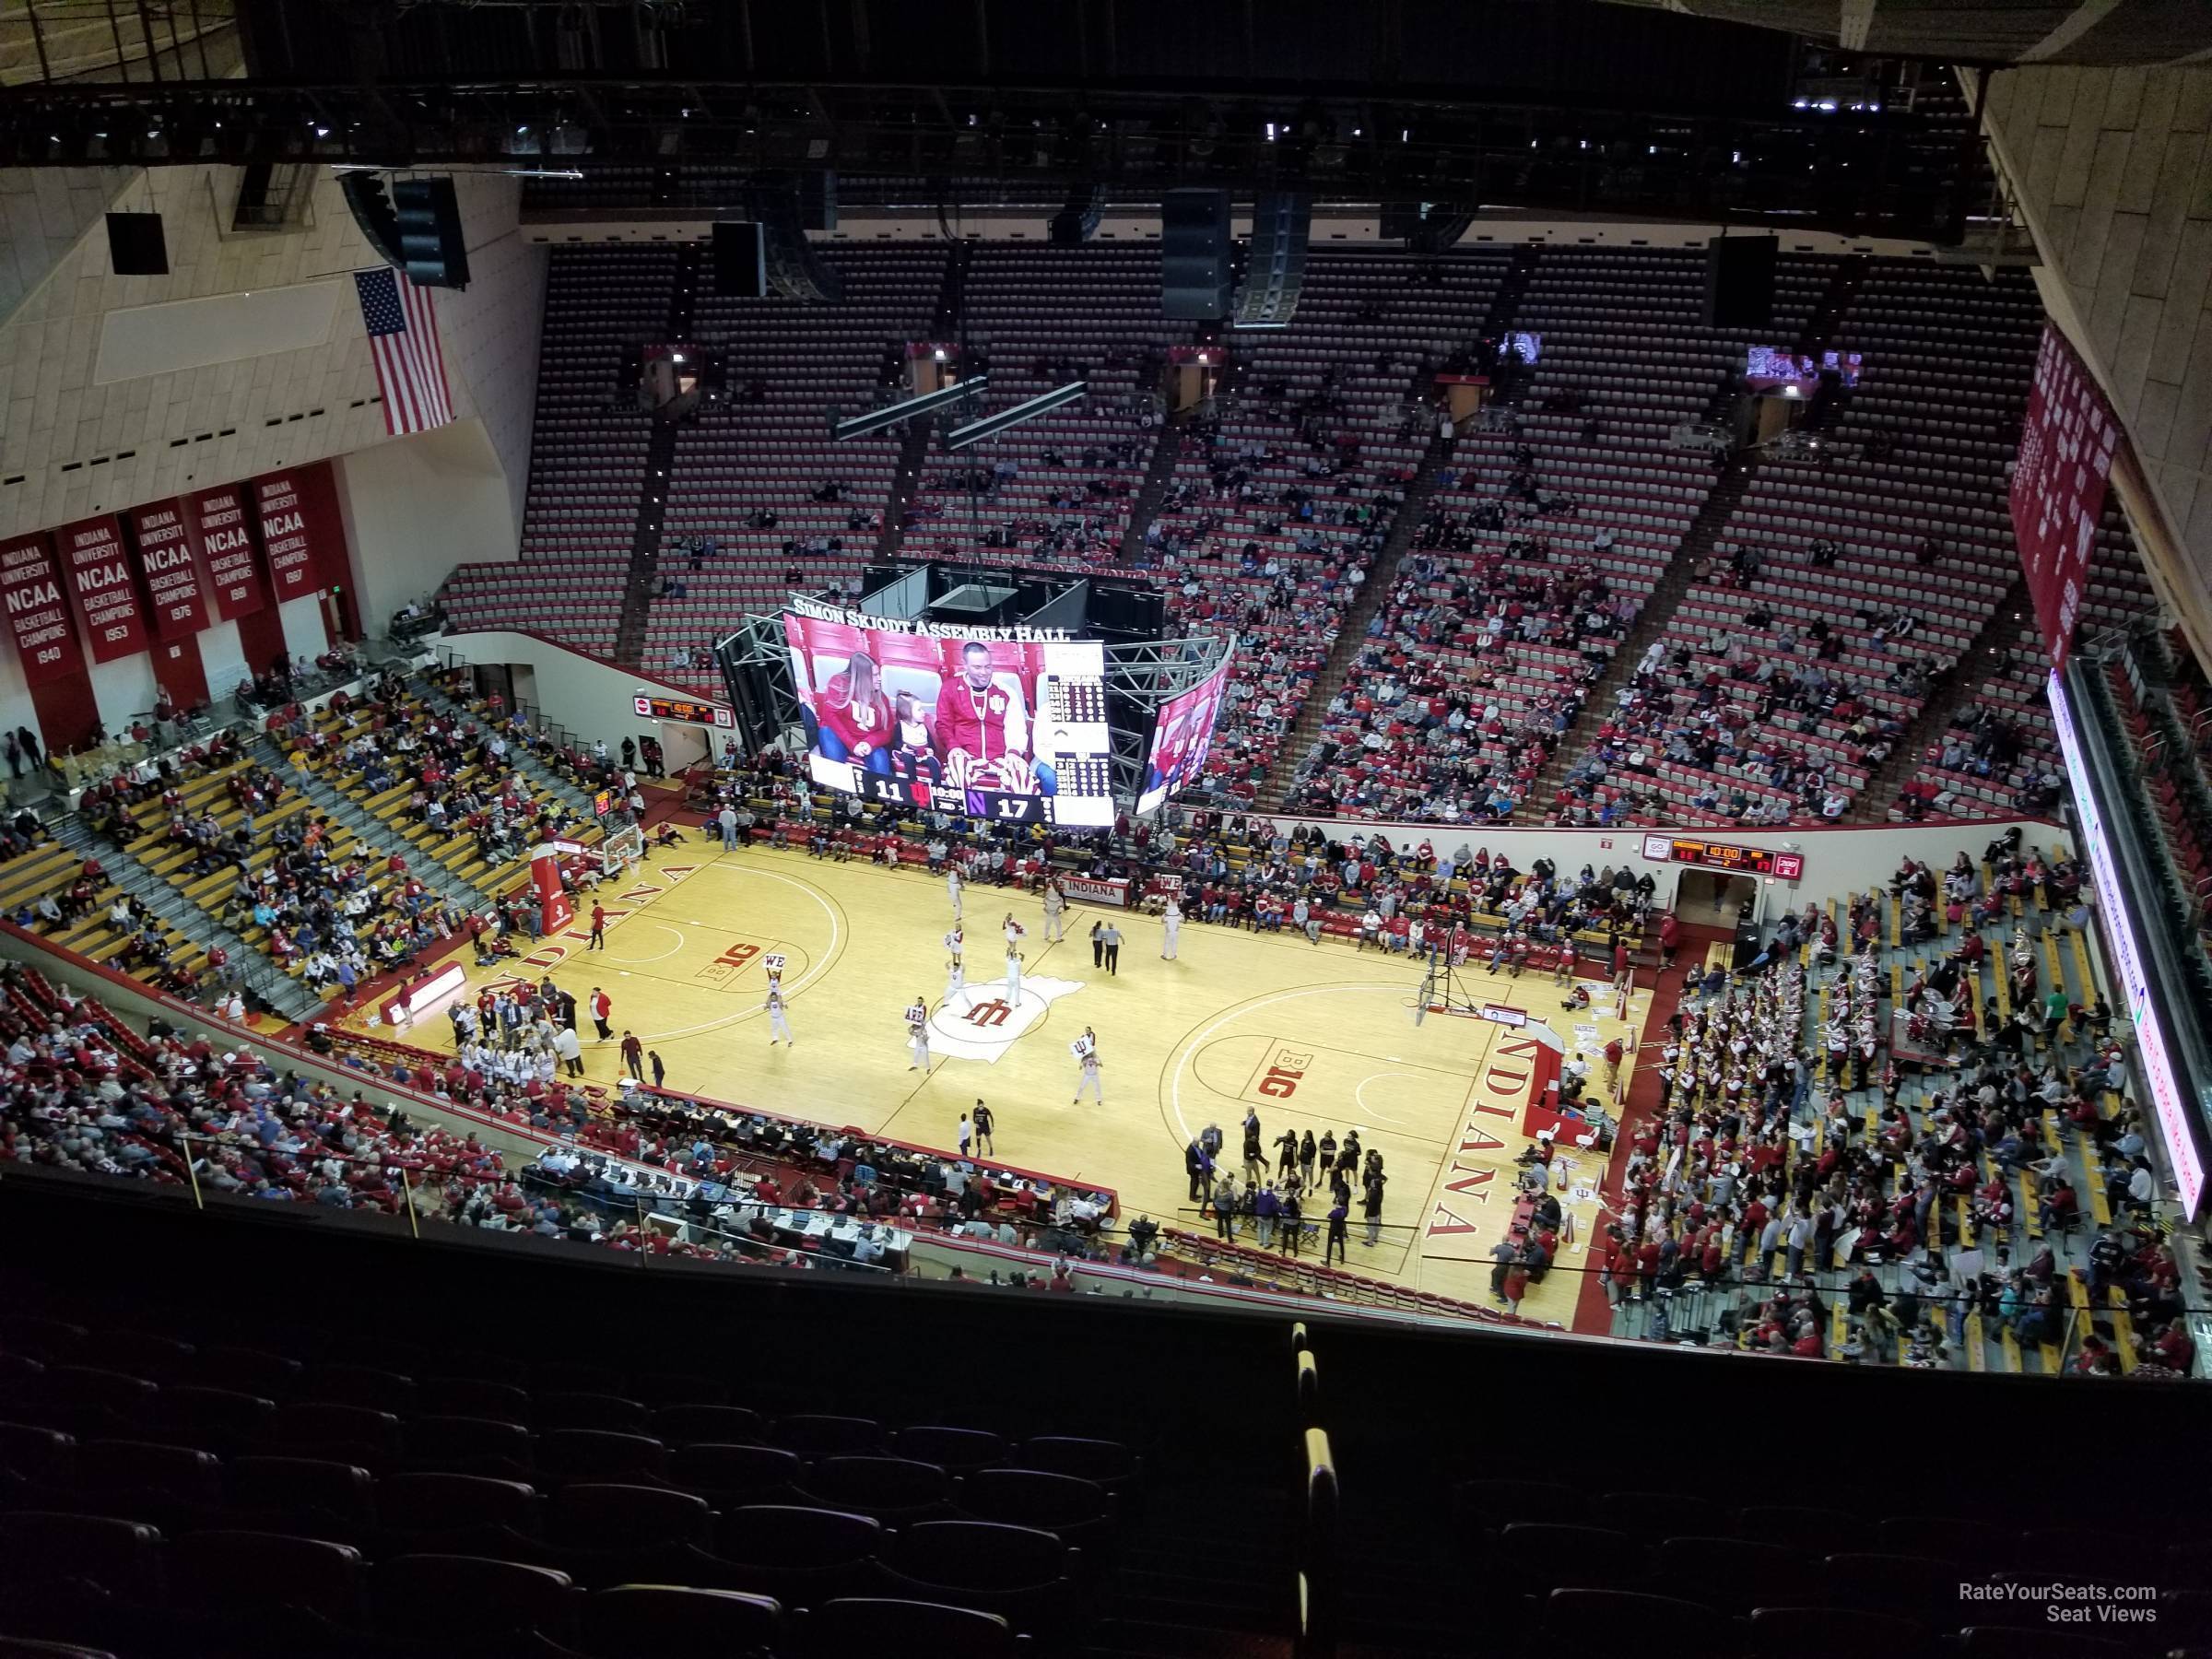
column 371, row 209
column 1276, row 268
column 740, row 261
column 1077, row 220
column 430, row 244
column 136, row 245
column 817, row 201
column 1193, row 255
column 1739, row 281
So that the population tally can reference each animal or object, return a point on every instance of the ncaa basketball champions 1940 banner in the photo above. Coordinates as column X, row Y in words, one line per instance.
column 2066, row 446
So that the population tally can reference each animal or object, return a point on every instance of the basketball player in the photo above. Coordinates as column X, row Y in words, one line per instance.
column 1172, row 924
column 917, row 1033
column 1055, row 910
column 1012, row 976
column 956, row 983
column 1086, row 1048
column 778, row 1026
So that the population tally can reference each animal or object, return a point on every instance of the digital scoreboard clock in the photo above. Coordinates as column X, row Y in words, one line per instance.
column 1723, row 855
column 685, row 710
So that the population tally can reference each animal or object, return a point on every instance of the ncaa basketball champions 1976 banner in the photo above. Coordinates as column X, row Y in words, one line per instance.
column 2066, row 447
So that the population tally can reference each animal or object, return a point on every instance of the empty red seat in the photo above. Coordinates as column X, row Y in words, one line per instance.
column 631, row 1517
column 250, row 1574
column 691, row 1424
column 736, row 1474
column 1835, row 1633
column 812, row 1436
column 912, row 1630
column 890, row 1488
column 472, row 1600
column 953, row 1450
column 652, row 1621
column 433, row 1502
column 590, row 1411
column 568, row 1455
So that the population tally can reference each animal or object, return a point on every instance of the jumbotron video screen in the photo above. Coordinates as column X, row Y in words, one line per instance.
column 995, row 723
column 1182, row 734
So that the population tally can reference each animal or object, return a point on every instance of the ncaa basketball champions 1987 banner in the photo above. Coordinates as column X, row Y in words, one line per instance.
column 2066, row 457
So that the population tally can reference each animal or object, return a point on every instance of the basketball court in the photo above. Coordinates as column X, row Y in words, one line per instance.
column 1319, row 1037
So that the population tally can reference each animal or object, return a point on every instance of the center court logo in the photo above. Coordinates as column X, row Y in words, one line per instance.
column 983, row 1022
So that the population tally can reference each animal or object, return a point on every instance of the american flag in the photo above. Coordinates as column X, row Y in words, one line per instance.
column 410, row 363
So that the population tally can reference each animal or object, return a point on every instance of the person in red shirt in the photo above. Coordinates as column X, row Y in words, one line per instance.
column 601, row 1006
column 854, row 718
column 1670, row 939
column 598, row 928
column 981, row 728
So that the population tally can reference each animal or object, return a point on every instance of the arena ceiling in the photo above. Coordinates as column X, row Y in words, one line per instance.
column 1554, row 106
column 2109, row 34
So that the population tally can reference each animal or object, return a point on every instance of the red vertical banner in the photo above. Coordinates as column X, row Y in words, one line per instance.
column 554, row 910
column 302, row 537
column 178, row 670
column 98, row 567
column 2058, row 484
column 168, row 568
column 216, row 521
column 37, row 615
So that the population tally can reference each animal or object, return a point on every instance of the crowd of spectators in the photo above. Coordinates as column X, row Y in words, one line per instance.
column 1846, row 1108
column 1229, row 869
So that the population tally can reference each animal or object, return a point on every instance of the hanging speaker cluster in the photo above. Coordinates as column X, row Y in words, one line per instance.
column 432, row 247
column 370, row 205
column 415, row 225
column 1276, row 268
column 1739, row 281
column 795, row 269
column 1193, row 255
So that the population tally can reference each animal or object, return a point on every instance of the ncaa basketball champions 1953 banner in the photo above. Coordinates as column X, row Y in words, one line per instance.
column 1005, row 724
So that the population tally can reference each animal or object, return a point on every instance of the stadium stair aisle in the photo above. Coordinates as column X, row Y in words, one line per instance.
column 1167, row 454
column 1880, row 795
column 1540, row 804
column 189, row 928
column 1412, row 509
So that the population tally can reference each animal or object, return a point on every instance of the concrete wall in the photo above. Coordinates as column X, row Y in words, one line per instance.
column 590, row 697
column 2113, row 169
column 416, row 507
column 89, row 434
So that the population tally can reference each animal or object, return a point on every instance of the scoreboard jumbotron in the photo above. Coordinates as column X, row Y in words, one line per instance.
column 1725, row 855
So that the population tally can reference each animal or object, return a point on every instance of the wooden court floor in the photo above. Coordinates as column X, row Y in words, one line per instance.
column 1309, row 1036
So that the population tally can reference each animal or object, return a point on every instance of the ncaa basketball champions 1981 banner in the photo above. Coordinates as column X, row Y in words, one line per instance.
column 2066, row 446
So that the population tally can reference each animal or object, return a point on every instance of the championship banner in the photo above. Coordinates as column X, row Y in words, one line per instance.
column 302, row 539
column 169, row 570
column 30, row 584
column 216, row 519
column 98, row 568
column 1095, row 893
column 2058, row 484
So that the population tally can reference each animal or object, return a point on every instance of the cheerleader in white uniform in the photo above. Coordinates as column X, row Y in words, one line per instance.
column 917, row 1033
column 1086, row 1053
column 779, row 1023
column 956, row 983
column 1172, row 923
